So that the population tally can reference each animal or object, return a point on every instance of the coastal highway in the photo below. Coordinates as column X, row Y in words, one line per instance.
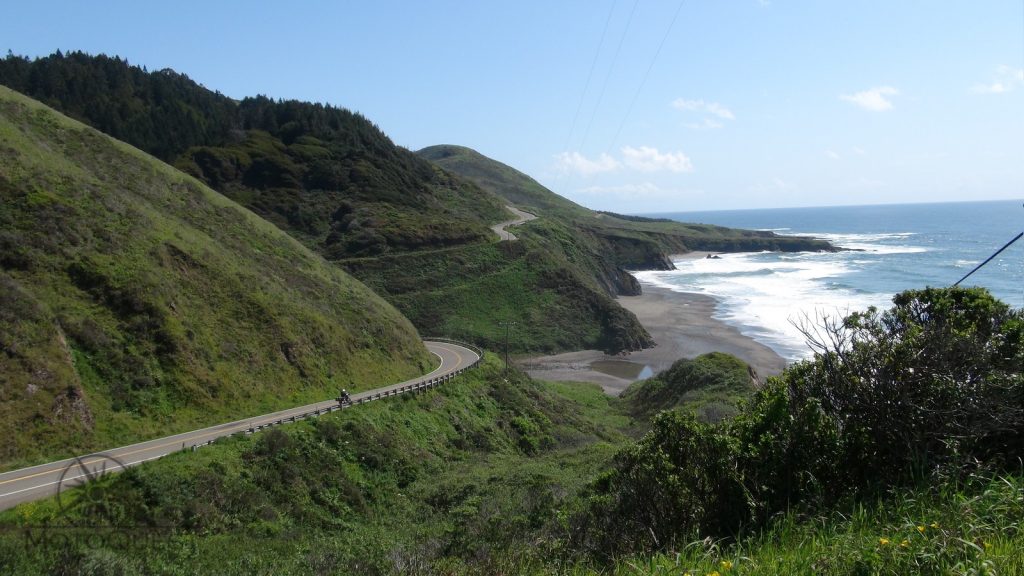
column 521, row 217
column 42, row 481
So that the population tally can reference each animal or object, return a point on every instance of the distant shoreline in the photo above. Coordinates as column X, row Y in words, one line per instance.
column 683, row 326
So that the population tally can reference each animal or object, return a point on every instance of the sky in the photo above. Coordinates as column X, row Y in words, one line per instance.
column 635, row 106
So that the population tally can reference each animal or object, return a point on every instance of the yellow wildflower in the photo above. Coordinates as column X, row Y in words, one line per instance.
column 934, row 525
column 905, row 543
column 920, row 529
column 726, row 564
column 715, row 573
column 883, row 541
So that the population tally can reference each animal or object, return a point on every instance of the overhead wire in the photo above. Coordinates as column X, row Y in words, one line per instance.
column 607, row 77
column 989, row 259
column 590, row 75
column 640, row 87
column 586, row 88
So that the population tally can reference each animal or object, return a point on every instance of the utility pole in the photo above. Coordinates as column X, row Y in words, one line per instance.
column 507, row 325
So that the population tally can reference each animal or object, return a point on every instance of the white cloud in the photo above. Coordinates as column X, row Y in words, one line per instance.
column 1006, row 80
column 580, row 164
column 639, row 159
column 873, row 99
column 832, row 154
column 701, row 106
column 993, row 88
column 859, row 151
column 649, row 159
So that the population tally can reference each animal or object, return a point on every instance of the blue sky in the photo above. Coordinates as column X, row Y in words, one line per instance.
column 625, row 105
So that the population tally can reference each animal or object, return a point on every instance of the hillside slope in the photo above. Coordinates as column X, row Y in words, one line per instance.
column 417, row 233
column 136, row 301
column 330, row 178
column 610, row 240
column 326, row 175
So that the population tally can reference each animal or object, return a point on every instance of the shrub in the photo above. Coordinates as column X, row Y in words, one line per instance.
column 678, row 483
column 932, row 385
column 933, row 381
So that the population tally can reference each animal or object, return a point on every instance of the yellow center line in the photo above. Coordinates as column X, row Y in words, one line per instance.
column 193, row 439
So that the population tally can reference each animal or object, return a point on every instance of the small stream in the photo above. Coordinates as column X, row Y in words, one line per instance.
column 622, row 369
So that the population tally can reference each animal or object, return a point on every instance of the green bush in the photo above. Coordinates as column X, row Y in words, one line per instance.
column 677, row 484
column 932, row 386
column 933, row 381
column 711, row 384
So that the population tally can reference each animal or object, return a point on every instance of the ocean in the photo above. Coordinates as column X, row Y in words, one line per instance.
column 892, row 248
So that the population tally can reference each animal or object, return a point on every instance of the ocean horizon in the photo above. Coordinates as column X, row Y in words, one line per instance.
column 889, row 248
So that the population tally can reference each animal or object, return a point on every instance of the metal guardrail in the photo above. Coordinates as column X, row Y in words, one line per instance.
column 412, row 387
column 479, row 351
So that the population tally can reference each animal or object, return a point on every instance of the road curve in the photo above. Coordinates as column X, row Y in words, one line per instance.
column 502, row 229
column 33, row 483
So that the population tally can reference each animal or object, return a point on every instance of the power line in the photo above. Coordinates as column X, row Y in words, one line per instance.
column 590, row 75
column 989, row 259
column 640, row 88
column 507, row 325
column 608, row 76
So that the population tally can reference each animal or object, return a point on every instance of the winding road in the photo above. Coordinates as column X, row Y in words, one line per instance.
column 41, row 481
column 521, row 217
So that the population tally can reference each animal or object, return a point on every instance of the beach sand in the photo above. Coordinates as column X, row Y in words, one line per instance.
column 681, row 325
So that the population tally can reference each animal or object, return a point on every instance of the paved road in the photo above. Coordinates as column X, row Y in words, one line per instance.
column 41, row 481
column 521, row 217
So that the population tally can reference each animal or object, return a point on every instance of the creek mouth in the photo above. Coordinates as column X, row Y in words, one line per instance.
column 622, row 369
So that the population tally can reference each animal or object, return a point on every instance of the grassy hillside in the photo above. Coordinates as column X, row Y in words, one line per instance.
column 591, row 252
column 333, row 180
column 951, row 528
column 711, row 385
column 448, row 481
column 629, row 242
column 135, row 301
column 416, row 231
column 494, row 473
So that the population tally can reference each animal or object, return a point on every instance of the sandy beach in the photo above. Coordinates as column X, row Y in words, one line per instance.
column 681, row 325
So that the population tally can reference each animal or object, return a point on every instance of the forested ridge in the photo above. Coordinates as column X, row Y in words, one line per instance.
column 324, row 174
column 136, row 302
column 415, row 230
column 334, row 181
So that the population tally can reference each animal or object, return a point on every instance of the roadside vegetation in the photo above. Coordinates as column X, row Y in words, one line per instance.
column 898, row 447
column 496, row 473
column 443, row 481
column 136, row 302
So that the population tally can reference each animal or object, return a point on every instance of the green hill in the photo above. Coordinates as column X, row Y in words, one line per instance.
column 414, row 231
column 501, row 179
column 135, row 301
column 328, row 177
column 838, row 466
column 610, row 240
column 710, row 386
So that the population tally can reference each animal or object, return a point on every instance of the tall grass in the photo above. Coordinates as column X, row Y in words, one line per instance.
column 955, row 528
